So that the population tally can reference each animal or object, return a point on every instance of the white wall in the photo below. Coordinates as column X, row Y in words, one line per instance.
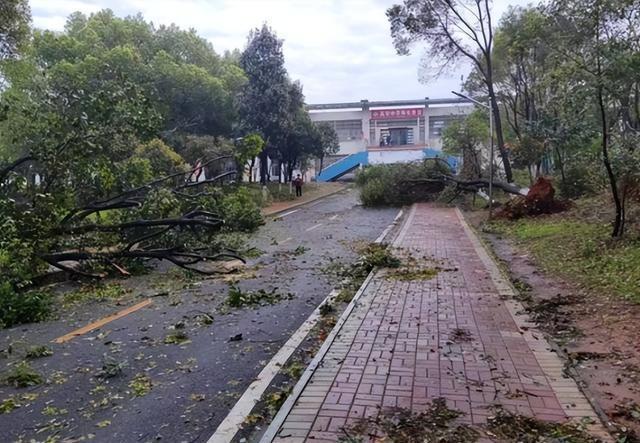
column 352, row 146
column 348, row 146
column 395, row 156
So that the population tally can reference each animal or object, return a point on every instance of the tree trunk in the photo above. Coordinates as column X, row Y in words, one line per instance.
column 497, row 125
column 560, row 164
column 321, row 164
column 264, row 167
column 251, row 166
column 618, row 224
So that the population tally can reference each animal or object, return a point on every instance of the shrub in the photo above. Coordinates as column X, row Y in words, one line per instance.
column 22, row 307
column 578, row 181
column 240, row 211
column 398, row 184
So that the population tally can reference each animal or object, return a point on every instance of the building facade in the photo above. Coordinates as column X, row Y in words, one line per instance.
column 390, row 131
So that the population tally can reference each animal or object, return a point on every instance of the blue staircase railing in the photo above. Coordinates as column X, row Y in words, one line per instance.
column 343, row 166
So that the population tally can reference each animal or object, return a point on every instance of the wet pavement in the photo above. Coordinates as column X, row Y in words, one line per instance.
column 455, row 334
column 191, row 386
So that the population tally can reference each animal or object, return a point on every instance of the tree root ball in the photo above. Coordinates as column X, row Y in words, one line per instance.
column 539, row 200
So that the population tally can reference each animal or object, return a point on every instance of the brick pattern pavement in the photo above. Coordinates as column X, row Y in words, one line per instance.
column 455, row 336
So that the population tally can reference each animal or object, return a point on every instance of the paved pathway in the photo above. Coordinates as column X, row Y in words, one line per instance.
column 456, row 336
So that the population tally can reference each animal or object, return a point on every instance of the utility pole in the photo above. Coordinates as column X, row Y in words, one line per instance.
column 489, row 108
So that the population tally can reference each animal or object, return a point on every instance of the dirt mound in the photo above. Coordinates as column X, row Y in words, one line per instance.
column 540, row 200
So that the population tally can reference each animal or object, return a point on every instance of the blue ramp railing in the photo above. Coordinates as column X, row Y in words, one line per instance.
column 432, row 153
column 343, row 166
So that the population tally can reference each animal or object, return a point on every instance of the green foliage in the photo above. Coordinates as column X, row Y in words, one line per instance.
column 140, row 385
column 240, row 211
column 162, row 159
column 392, row 185
column 111, row 367
column 466, row 138
column 176, row 338
column 22, row 376
column 248, row 148
column 15, row 16
column 353, row 276
column 98, row 292
column 16, row 401
column 38, row 351
column 377, row 254
column 22, row 307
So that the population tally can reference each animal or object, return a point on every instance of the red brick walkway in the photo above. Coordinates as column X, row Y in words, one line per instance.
column 454, row 336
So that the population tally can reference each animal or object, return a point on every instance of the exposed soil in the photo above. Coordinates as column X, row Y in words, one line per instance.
column 599, row 333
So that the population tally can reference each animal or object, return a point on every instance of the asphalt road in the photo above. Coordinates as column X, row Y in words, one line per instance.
column 192, row 385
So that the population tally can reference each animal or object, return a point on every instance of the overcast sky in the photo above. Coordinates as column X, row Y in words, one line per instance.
column 341, row 50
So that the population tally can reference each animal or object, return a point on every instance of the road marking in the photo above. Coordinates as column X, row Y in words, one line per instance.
column 103, row 321
column 235, row 418
column 313, row 227
column 287, row 213
column 286, row 240
column 333, row 217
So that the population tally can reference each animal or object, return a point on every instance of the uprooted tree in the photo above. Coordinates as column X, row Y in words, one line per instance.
column 169, row 218
column 406, row 183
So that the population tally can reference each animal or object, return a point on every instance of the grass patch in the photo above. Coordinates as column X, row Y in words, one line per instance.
column 94, row 293
column 38, row 351
column 23, row 375
column 581, row 251
column 238, row 298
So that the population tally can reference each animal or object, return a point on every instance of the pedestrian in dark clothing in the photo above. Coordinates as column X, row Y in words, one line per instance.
column 297, row 182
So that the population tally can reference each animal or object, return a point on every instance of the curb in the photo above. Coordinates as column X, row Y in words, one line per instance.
column 505, row 287
column 296, row 205
column 290, row 402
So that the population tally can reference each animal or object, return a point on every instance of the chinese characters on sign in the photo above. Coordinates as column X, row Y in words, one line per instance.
column 397, row 113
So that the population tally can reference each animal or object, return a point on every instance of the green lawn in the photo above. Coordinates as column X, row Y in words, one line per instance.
column 580, row 251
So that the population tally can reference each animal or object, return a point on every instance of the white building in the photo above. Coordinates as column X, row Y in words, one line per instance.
column 386, row 131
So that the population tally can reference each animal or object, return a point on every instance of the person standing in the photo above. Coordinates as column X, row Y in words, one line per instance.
column 297, row 182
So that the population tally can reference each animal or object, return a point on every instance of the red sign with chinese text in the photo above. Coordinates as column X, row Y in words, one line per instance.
column 391, row 114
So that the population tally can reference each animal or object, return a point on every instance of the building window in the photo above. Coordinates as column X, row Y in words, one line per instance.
column 392, row 123
column 438, row 123
column 346, row 129
column 396, row 136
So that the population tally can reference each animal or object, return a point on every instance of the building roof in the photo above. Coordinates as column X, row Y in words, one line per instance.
column 366, row 104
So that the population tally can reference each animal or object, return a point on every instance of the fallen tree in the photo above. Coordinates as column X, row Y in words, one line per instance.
column 169, row 218
column 428, row 180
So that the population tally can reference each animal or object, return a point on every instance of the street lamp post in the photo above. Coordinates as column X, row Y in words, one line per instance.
column 489, row 108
